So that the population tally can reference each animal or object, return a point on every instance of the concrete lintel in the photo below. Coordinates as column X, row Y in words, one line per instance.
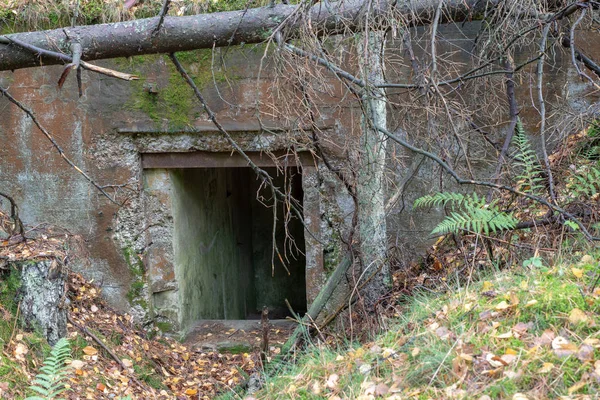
column 229, row 126
column 207, row 159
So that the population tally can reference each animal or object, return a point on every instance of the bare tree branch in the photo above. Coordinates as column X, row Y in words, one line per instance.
column 161, row 16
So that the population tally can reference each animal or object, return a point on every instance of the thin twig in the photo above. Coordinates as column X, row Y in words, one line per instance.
column 65, row 57
column 14, row 214
column 540, row 86
column 163, row 12
column 513, row 114
column 581, row 73
column 54, row 143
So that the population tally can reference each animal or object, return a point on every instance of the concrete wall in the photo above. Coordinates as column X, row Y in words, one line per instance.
column 214, row 272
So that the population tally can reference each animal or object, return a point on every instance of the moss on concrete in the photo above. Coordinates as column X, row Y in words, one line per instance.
column 136, row 295
column 172, row 101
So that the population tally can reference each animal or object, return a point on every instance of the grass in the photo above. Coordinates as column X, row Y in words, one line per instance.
column 528, row 330
column 26, row 15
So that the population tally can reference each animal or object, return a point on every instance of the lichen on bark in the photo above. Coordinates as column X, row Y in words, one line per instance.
column 43, row 307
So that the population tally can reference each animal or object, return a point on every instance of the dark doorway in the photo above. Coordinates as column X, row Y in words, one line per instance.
column 223, row 243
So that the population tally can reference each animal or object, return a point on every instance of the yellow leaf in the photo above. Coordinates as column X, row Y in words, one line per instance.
column 577, row 272
column 579, row 385
column 523, row 285
column 191, row 392
column 519, row 396
column 587, row 259
column 511, row 352
column 415, row 352
column 506, row 335
column 531, row 303
column 547, row 367
column 577, row 316
column 487, row 286
column 90, row 351
column 503, row 305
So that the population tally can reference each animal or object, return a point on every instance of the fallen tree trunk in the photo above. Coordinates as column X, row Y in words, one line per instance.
column 255, row 25
column 318, row 305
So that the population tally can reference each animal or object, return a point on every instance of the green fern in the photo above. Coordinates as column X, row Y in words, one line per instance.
column 50, row 382
column 469, row 212
column 531, row 176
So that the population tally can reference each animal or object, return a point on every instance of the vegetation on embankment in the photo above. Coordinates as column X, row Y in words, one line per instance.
column 525, row 332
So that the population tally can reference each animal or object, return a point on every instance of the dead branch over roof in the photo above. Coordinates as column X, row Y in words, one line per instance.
column 255, row 25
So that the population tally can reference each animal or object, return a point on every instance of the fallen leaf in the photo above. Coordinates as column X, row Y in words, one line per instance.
column 546, row 367
column 90, row 351
column 585, row 353
column 545, row 339
column 562, row 347
column 20, row 351
column 381, row 390
column 577, row 272
column 487, row 285
column 576, row 387
column 127, row 363
column 576, row 317
column 519, row 396
column 100, row 387
column 415, row 352
column 508, row 358
column 191, row 392
column 332, row 381
column 587, row 259
column 77, row 364
column 520, row 329
column 503, row 305
column 495, row 361
column 506, row 335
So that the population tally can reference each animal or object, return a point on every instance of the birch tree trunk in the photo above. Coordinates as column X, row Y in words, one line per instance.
column 370, row 189
column 43, row 295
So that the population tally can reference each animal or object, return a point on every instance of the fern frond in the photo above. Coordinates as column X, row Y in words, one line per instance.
column 469, row 212
column 530, row 179
column 50, row 382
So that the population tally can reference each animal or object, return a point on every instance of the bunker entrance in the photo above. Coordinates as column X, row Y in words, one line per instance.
column 223, row 244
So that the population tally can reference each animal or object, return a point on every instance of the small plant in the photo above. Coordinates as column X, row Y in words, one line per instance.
column 50, row 382
column 533, row 262
column 585, row 182
column 469, row 212
column 530, row 179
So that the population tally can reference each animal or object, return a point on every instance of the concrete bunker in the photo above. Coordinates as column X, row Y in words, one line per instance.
column 222, row 239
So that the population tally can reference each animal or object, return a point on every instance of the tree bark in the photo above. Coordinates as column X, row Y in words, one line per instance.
column 130, row 38
column 43, row 292
column 370, row 190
